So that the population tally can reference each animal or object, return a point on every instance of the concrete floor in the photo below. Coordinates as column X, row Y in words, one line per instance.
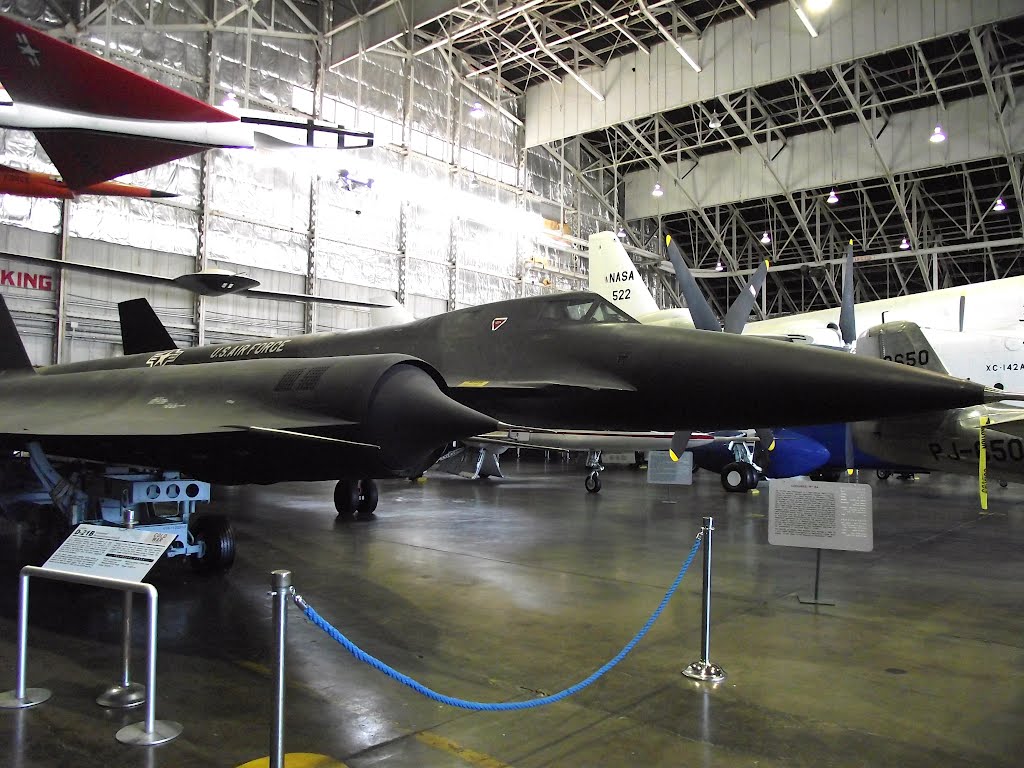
column 504, row 590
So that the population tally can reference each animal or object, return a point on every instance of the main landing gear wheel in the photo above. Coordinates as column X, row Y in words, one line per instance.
column 738, row 477
column 216, row 533
column 593, row 482
column 883, row 474
column 356, row 497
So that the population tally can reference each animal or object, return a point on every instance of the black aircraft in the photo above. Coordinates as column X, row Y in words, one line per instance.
column 561, row 361
column 246, row 421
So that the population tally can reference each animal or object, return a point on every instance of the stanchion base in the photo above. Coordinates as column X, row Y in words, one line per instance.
column 815, row 601
column 705, row 671
column 137, row 735
column 33, row 696
column 122, row 696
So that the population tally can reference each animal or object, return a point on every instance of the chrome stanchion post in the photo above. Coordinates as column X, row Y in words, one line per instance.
column 22, row 697
column 703, row 669
column 151, row 731
column 126, row 694
column 280, row 589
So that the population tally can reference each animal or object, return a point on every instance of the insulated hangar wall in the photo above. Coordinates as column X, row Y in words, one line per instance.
column 458, row 212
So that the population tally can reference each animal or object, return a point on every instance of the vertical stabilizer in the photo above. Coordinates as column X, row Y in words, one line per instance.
column 141, row 329
column 901, row 342
column 614, row 276
column 392, row 314
column 13, row 356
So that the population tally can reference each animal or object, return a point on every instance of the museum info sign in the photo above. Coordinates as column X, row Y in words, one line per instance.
column 804, row 513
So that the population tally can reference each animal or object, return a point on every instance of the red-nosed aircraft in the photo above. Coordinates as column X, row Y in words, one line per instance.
column 98, row 120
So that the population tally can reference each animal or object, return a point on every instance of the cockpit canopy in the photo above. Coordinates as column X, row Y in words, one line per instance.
column 589, row 308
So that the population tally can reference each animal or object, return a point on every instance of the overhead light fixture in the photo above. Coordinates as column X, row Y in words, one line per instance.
column 1000, row 206
column 803, row 18
column 715, row 122
column 657, row 191
column 621, row 234
column 904, row 245
column 766, row 238
column 719, row 267
column 938, row 135
column 477, row 110
column 832, row 198
column 818, row 6
column 230, row 102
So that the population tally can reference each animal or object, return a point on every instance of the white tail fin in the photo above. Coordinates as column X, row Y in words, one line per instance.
column 614, row 276
column 901, row 342
column 393, row 314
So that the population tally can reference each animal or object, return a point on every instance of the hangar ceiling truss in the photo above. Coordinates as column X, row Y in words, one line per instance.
column 945, row 213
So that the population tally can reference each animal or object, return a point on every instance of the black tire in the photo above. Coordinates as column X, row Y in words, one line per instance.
column 734, row 477
column 883, row 474
column 346, row 497
column 593, row 483
column 368, row 497
column 216, row 533
column 751, row 476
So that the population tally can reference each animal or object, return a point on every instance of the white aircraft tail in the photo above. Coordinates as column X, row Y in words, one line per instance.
column 614, row 276
column 901, row 342
column 393, row 314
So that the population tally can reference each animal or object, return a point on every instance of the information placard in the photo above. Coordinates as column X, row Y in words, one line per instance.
column 663, row 471
column 103, row 550
column 804, row 513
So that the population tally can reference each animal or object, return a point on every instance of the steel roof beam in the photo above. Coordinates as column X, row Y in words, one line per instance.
column 622, row 29
column 981, row 52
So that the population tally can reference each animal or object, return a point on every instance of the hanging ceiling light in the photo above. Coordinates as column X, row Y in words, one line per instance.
column 832, row 198
column 904, row 245
column 719, row 267
column 766, row 238
column 818, row 6
column 657, row 191
column 477, row 110
column 715, row 122
column 621, row 234
column 230, row 102
column 1000, row 206
column 938, row 135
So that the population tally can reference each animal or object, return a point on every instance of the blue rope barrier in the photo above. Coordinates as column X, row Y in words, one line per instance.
column 377, row 664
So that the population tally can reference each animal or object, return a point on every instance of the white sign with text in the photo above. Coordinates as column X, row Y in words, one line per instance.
column 662, row 470
column 805, row 513
column 115, row 553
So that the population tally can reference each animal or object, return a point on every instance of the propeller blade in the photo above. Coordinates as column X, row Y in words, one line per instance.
column 678, row 444
column 848, row 448
column 963, row 307
column 739, row 312
column 847, row 320
column 703, row 317
column 982, row 464
column 765, row 446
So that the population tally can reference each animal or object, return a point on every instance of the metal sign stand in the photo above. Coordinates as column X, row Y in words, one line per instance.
column 125, row 694
column 150, row 731
column 816, row 600
column 703, row 669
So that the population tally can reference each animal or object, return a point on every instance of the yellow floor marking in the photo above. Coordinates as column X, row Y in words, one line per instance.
column 472, row 757
column 253, row 666
column 298, row 760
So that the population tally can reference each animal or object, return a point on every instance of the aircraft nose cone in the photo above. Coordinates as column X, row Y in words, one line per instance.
column 409, row 402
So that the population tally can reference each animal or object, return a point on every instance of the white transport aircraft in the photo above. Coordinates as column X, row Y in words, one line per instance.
column 989, row 350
